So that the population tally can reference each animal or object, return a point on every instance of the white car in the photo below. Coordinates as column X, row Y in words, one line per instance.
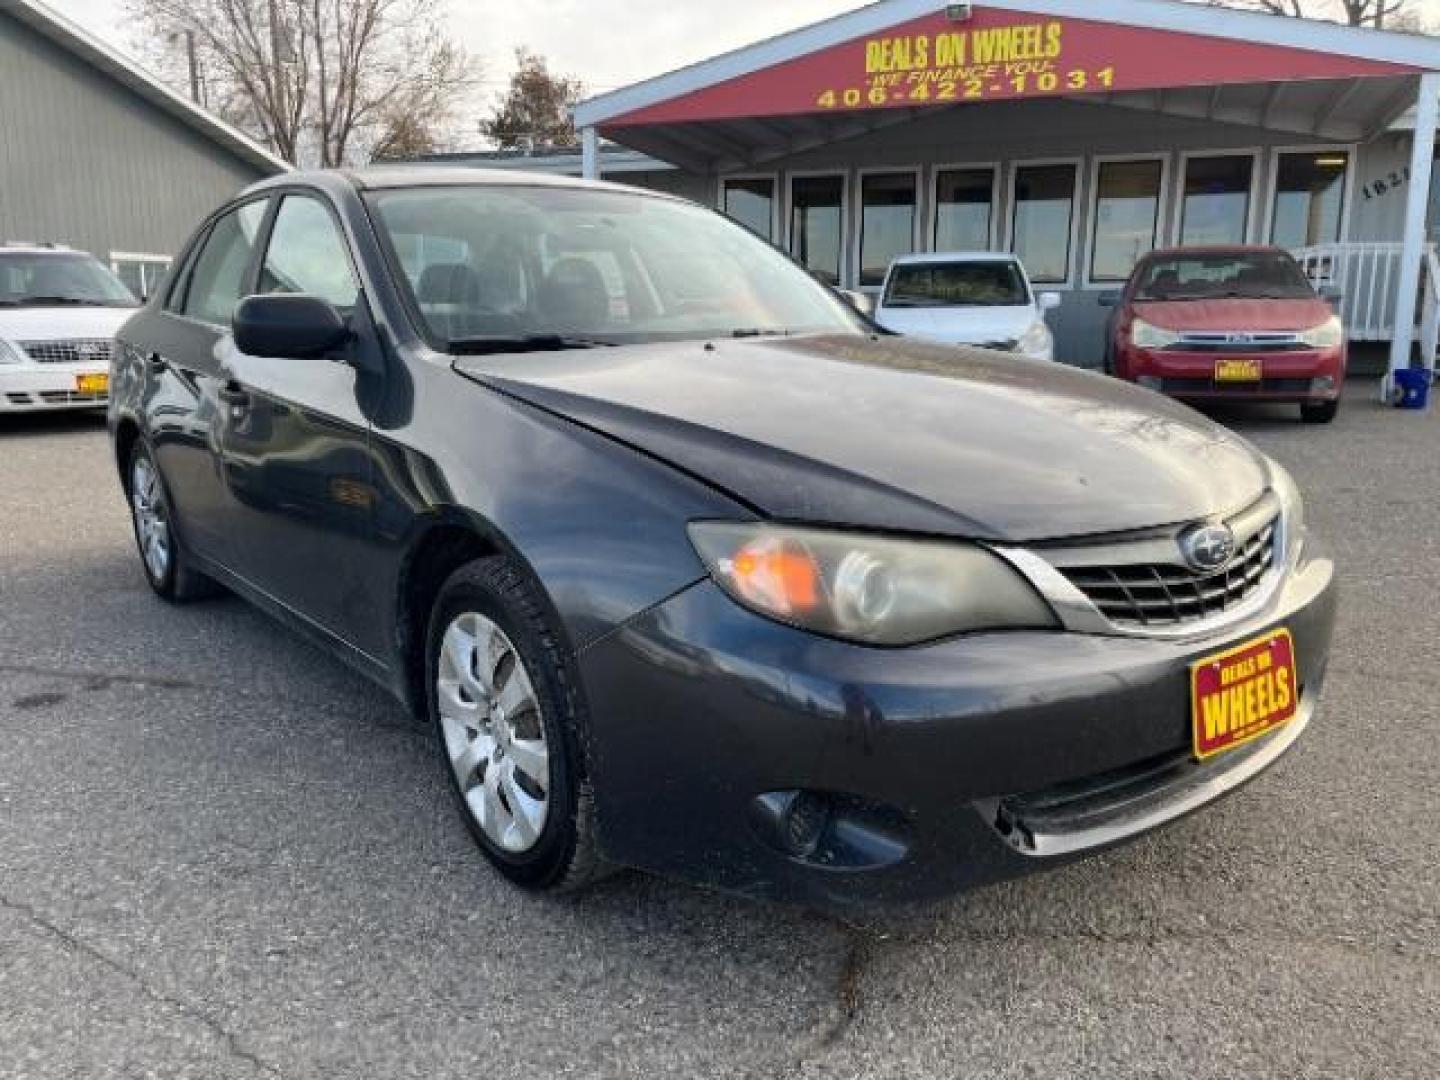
column 59, row 312
column 967, row 298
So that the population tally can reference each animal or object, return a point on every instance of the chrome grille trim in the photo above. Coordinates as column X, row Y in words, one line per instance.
column 1138, row 585
column 69, row 351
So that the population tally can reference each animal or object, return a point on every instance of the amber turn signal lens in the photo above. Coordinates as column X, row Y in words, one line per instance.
column 781, row 577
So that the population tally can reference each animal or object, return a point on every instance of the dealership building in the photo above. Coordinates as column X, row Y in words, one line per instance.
column 1078, row 135
column 98, row 154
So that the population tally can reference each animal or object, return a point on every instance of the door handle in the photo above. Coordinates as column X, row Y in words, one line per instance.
column 156, row 363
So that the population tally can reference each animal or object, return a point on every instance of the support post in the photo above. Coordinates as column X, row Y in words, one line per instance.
column 590, row 153
column 1417, row 201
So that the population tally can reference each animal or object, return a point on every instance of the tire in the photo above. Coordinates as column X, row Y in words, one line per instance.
column 163, row 560
column 1320, row 412
column 501, row 691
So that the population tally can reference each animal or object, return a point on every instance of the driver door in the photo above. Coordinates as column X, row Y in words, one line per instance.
column 295, row 445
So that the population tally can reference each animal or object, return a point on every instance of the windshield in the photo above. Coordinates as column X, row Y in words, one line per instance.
column 957, row 284
column 1256, row 275
column 45, row 280
column 496, row 264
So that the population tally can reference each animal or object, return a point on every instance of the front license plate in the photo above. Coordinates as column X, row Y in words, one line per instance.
column 92, row 384
column 1237, row 371
column 1243, row 693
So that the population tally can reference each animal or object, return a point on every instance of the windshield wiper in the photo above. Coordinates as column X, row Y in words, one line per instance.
column 522, row 343
column 57, row 301
column 760, row 331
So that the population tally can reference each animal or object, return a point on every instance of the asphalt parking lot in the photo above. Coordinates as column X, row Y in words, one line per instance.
column 222, row 855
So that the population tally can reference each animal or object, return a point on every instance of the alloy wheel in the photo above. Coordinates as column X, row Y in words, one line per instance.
column 152, row 521
column 494, row 733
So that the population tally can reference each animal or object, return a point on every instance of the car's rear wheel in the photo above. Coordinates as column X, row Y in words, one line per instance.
column 165, row 562
column 1322, row 412
column 507, row 717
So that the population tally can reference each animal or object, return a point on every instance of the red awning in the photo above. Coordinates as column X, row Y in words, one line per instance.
column 997, row 55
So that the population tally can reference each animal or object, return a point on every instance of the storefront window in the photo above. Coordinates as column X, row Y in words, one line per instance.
column 1127, row 217
column 750, row 200
column 817, row 224
column 1215, row 208
column 1043, row 215
column 964, row 203
column 887, row 222
column 1309, row 198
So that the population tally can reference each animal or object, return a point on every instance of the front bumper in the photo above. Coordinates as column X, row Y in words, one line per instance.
column 1307, row 375
column 41, row 387
column 704, row 718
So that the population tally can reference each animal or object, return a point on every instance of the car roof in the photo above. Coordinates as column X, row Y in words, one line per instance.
column 389, row 177
column 18, row 247
column 921, row 258
column 1215, row 249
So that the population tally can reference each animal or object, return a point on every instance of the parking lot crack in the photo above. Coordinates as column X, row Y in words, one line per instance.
column 228, row 1039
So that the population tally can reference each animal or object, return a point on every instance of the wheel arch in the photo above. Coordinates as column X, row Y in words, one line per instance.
column 127, row 434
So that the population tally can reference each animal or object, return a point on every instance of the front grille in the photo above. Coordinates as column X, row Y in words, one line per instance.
column 1210, row 386
column 72, row 351
column 1169, row 594
column 1264, row 341
column 56, row 397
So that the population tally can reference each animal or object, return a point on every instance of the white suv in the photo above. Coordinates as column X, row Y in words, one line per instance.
column 59, row 312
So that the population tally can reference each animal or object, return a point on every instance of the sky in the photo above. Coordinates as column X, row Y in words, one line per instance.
column 607, row 43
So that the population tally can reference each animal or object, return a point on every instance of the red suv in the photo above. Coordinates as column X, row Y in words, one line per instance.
column 1228, row 324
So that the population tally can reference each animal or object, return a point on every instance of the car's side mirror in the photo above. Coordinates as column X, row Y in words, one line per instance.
column 861, row 302
column 1110, row 298
column 1332, row 296
column 1049, row 301
column 282, row 326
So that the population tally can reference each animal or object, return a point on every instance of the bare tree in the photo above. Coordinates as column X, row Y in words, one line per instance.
column 536, row 109
column 319, row 81
column 1374, row 13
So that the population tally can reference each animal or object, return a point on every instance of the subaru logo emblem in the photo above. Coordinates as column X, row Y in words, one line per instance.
column 1208, row 548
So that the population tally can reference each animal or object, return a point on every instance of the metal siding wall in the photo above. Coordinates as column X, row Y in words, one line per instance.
column 86, row 162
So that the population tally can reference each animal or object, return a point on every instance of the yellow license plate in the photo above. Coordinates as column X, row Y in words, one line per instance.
column 1243, row 693
column 1237, row 371
column 92, row 384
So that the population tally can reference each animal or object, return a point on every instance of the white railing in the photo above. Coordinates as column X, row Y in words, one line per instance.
column 1367, row 277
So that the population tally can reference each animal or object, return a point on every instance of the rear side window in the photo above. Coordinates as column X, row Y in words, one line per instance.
column 307, row 254
column 217, row 277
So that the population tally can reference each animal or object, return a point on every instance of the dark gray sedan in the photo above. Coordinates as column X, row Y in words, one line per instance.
column 689, row 566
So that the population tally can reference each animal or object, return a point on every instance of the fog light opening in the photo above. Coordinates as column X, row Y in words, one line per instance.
column 1322, row 385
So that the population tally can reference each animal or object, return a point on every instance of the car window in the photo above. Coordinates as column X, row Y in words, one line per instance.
column 1258, row 275
column 218, row 275
column 505, row 261
column 44, row 279
column 957, row 284
column 307, row 254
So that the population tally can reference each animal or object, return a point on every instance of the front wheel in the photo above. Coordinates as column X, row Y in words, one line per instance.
column 1322, row 412
column 507, row 717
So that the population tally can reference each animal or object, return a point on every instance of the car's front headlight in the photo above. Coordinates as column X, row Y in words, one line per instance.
column 1328, row 335
column 1035, row 340
column 10, row 354
column 1145, row 336
column 1292, row 510
column 868, row 589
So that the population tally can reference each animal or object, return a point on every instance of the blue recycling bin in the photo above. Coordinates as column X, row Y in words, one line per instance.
column 1412, row 388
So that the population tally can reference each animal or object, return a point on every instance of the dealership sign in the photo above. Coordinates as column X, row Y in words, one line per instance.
column 996, row 55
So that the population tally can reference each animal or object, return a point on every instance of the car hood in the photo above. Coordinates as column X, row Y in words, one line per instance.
column 59, row 323
column 960, row 325
column 1239, row 315
column 899, row 435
